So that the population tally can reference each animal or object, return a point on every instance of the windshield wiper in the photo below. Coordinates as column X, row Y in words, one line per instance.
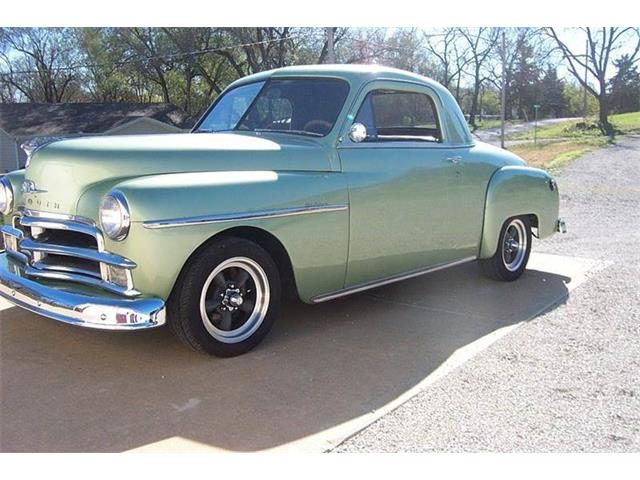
column 294, row 132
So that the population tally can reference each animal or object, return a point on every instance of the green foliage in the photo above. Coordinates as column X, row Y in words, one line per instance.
column 624, row 87
column 189, row 67
column 490, row 102
column 574, row 96
column 551, row 96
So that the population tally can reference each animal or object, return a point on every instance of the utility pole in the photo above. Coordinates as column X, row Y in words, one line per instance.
column 535, row 125
column 586, row 71
column 331, row 52
column 503, row 99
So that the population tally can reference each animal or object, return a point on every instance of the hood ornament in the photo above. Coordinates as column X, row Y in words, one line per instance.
column 32, row 146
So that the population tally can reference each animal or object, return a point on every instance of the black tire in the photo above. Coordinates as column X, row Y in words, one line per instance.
column 498, row 267
column 188, row 322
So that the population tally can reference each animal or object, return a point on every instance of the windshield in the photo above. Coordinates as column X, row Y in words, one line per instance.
column 298, row 106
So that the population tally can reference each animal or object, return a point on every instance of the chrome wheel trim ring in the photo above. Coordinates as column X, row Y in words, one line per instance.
column 514, row 245
column 260, row 308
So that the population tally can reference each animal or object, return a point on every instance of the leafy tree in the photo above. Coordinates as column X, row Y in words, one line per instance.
column 601, row 43
column 525, row 80
column 574, row 96
column 624, row 87
column 405, row 49
column 551, row 94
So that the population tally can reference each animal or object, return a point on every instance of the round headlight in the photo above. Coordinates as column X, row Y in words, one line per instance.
column 6, row 196
column 114, row 215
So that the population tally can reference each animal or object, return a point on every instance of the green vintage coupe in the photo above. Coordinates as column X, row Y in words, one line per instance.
column 319, row 181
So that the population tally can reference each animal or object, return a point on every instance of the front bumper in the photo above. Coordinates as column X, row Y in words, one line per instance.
column 77, row 307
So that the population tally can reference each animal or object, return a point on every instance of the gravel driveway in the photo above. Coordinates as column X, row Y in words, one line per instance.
column 567, row 380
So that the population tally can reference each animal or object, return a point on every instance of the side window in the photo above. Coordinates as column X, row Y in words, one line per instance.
column 394, row 115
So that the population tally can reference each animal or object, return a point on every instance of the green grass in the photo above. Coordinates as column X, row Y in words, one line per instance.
column 624, row 123
column 555, row 155
column 563, row 159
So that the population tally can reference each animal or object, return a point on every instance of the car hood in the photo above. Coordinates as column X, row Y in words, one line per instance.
column 60, row 172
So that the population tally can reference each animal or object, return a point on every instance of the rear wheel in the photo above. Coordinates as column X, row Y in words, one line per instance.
column 512, row 254
column 226, row 299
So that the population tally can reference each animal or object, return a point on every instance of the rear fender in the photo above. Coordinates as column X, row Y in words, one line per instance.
column 515, row 191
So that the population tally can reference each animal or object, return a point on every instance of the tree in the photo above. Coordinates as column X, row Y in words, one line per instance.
column 551, row 91
column 450, row 58
column 601, row 43
column 481, row 43
column 404, row 49
column 624, row 87
column 525, row 79
column 39, row 63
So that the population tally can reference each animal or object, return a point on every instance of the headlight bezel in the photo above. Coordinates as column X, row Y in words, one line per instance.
column 124, row 215
column 7, row 188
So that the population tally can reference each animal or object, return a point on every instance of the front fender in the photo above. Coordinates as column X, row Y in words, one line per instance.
column 515, row 191
column 316, row 242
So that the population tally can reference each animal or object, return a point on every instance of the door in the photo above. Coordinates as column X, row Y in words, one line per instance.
column 404, row 185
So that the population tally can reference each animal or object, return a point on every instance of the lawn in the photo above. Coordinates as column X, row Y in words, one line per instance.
column 560, row 143
column 553, row 156
column 623, row 122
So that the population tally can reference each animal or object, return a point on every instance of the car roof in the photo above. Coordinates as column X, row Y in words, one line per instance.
column 353, row 73
column 358, row 75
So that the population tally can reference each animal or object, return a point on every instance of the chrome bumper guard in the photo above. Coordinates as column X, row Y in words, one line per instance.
column 78, row 308
column 561, row 226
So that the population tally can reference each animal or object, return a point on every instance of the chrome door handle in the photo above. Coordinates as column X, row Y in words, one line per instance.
column 455, row 160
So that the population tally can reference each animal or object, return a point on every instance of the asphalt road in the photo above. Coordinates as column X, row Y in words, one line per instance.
column 568, row 380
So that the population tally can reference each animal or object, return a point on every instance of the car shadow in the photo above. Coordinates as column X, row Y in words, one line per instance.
column 65, row 388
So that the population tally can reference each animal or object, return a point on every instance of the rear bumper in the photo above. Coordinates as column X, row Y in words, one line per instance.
column 561, row 226
column 77, row 307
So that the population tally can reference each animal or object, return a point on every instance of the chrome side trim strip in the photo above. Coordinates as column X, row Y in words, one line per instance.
column 77, row 252
column 385, row 281
column 232, row 217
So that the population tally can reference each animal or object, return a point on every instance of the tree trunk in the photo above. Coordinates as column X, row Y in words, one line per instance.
column 605, row 126
column 474, row 105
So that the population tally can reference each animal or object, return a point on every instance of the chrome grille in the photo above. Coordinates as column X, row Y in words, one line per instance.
column 67, row 248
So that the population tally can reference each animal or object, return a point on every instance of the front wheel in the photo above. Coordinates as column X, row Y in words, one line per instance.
column 512, row 254
column 226, row 299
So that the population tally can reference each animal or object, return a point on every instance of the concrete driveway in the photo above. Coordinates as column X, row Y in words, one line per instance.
column 325, row 371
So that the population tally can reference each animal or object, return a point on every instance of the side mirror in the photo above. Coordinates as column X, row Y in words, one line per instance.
column 357, row 132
